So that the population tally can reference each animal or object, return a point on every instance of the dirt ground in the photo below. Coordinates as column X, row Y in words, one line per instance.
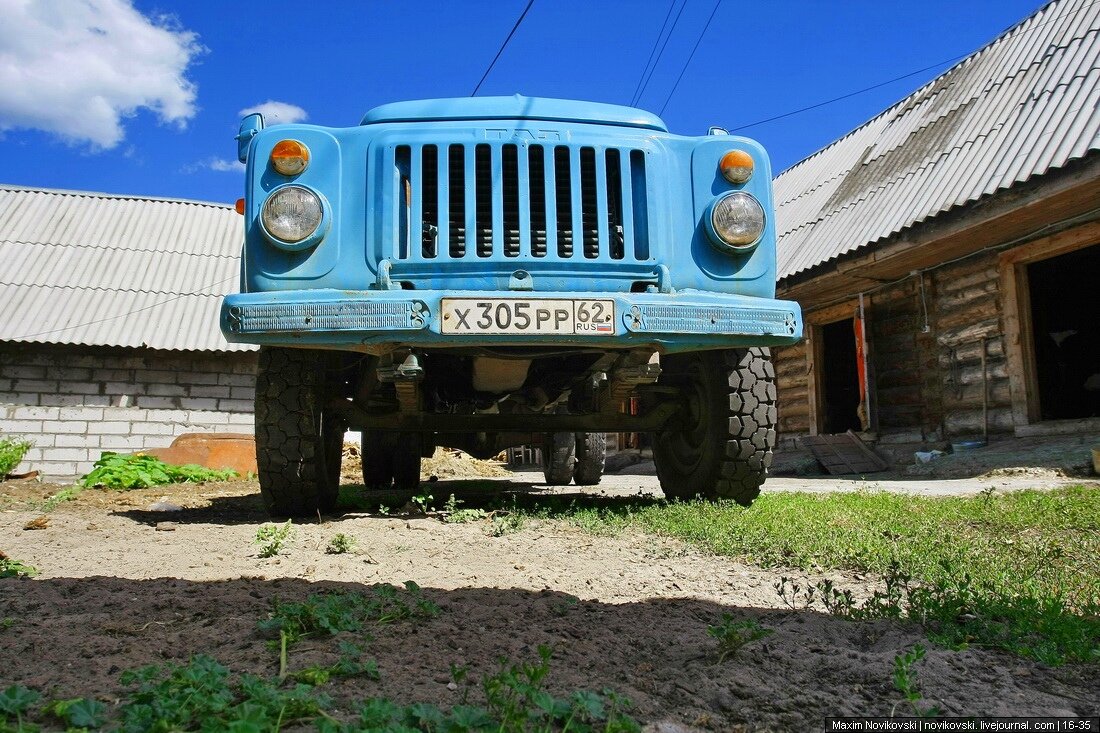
column 122, row 585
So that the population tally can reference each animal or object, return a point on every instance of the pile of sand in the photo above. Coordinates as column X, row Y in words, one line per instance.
column 447, row 463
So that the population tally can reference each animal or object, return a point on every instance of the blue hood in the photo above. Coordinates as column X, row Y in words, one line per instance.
column 516, row 107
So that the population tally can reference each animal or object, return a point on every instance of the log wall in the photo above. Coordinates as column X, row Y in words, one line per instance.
column 925, row 359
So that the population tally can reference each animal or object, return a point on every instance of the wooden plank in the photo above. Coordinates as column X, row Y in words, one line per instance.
column 843, row 454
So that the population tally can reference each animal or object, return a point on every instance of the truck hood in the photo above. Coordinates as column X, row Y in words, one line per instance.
column 516, row 107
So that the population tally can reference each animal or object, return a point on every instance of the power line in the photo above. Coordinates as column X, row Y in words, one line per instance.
column 657, row 40
column 850, row 94
column 690, row 57
column 660, row 54
column 128, row 313
column 503, row 46
column 911, row 73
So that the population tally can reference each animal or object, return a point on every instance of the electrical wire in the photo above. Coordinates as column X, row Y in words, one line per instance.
column 128, row 313
column 652, row 51
column 660, row 54
column 850, row 94
column 903, row 76
column 690, row 57
column 502, row 47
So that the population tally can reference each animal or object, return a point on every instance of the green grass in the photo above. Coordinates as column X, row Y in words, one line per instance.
column 69, row 493
column 1025, row 565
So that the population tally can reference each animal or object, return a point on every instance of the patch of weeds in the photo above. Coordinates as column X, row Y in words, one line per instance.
column 733, row 635
column 80, row 712
column 12, row 451
column 7, row 622
column 793, row 595
column 138, row 471
column 905, row 682
column 350, row 664
column 516, row 702
column 453, row 515
column 507, row 523
column 960, row 611
column 565, row 605
column 383, row 510
column 326, row 614
column 203, row 695
column 340, row 544
column 15, row 704
column 272, row 538
column 66, row 494
column 422, row 501
column 12, row 568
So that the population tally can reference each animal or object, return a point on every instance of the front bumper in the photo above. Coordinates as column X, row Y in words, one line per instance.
column 374, row 320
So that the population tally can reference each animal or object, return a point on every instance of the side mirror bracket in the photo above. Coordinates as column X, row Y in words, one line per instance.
column 250, row 127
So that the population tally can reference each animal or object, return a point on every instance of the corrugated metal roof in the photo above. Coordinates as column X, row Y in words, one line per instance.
column 1021, row 106
column 105, row 270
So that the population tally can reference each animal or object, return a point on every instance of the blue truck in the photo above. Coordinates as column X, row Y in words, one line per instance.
column 483, row 273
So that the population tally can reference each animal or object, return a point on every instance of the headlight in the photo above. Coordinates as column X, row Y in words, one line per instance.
column 291, row 215
column 736, row 221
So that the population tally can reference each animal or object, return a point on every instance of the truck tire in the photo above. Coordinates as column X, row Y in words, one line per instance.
column 722, row 447
column 591, row 454
column 298, row 442
column 559, row 456
column 391, row 460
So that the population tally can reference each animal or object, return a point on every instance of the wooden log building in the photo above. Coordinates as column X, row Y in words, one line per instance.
column 947, row 253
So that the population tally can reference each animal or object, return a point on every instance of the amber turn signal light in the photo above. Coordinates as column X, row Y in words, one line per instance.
column 289, row 157
column 239, row 206
column 736, row 166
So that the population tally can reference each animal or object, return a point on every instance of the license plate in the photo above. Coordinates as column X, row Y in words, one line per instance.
column 528, row 316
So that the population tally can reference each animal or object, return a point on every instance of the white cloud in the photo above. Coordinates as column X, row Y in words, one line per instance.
column 222, row 165
column 277, row 113
column 79, row 69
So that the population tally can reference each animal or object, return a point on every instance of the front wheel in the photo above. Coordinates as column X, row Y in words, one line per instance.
column 722, row 447
column 298, row 441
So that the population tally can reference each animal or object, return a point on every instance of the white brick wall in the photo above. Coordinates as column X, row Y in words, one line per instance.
column 76, row 402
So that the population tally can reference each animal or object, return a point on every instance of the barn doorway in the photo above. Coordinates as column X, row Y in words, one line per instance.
column 840, row 380
column 1066, row 334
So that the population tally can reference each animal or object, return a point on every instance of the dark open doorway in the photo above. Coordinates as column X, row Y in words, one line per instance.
column 839, row 378
column 1066, row 333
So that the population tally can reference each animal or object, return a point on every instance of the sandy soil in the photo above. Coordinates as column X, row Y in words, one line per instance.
column 121, row 585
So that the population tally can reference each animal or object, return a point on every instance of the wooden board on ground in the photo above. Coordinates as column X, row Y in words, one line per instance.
column 844, row 453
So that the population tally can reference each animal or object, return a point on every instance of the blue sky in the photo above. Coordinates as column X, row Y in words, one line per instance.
column 145, row 98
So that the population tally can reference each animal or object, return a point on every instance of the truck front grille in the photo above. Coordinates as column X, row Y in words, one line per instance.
column 462, row 202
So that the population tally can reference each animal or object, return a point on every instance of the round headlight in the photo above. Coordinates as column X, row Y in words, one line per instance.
column 292, row 214
column 736, row 221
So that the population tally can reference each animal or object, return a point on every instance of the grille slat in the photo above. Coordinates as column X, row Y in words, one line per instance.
column 429, row 201
column 456, row 176
column 542, row 202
